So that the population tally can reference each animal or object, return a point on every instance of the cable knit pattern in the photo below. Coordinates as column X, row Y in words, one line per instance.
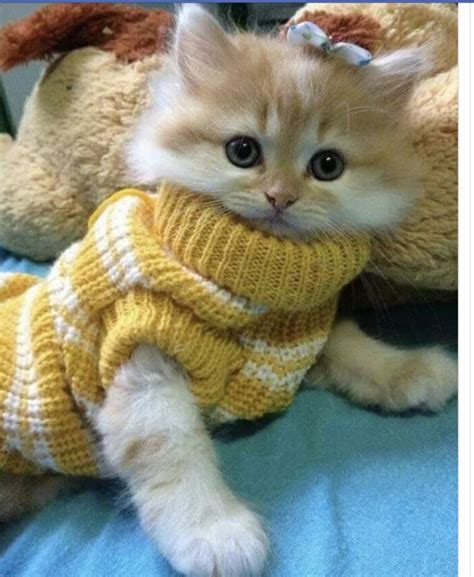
column 245, row 314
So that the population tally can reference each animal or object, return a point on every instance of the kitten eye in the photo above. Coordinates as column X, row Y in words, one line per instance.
column 326, row 165
column 243, row 151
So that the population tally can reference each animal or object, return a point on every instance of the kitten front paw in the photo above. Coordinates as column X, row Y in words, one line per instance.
column 231, row 546
column 427, row 381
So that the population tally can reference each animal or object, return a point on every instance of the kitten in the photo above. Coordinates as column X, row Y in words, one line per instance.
column 295, row 113
column 300, row 146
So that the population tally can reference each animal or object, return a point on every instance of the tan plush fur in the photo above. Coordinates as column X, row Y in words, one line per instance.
column 68, row 154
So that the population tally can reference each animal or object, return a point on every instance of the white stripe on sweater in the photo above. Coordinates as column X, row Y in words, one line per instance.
column 120, row 223
column 287, row 353
column 22, row 375
column 267, row 376
column 103, row 247
column 123, row 268
column 25, row 376
column 238, row 302
column 61, row 294
column 69, row 255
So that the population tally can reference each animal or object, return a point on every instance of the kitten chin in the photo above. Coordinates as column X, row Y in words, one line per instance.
column 295, row 105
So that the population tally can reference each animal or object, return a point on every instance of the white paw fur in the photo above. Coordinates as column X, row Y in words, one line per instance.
column 378, row 374
column 429, row 379
column 155, row 439
column 233, row 545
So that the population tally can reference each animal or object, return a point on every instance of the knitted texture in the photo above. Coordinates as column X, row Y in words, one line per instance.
column 244, row 313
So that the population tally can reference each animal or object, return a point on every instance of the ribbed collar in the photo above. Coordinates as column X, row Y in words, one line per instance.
column 281, row 274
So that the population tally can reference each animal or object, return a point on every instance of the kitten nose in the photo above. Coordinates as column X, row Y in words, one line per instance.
column 279, row 199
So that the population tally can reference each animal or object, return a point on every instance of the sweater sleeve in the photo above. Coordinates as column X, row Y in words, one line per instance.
column 279, row 351
column 209, row 356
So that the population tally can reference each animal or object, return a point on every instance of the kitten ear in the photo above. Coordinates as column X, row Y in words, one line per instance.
column 201, row 47
column 392, row 77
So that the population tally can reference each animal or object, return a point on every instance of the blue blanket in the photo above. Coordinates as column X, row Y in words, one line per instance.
column 345, row 492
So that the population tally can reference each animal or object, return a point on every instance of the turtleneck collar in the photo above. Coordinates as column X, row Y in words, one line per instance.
column 281, row 274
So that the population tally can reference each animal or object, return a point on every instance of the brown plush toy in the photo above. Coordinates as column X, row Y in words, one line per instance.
column 68, row 154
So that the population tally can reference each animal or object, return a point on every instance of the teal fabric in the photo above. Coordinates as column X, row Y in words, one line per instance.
column 12, row 263
column 345, row 492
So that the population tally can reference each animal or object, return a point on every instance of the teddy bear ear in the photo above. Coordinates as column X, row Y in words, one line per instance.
column 130, row 32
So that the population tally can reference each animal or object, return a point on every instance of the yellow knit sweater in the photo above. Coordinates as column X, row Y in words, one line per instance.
column 246, row 315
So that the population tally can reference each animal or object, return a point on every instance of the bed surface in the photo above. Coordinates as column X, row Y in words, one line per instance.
column 345, row 492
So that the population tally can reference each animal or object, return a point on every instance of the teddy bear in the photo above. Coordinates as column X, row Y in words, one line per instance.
column 68, row 154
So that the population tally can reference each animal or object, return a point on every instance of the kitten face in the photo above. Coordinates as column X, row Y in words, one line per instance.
column 304, row 119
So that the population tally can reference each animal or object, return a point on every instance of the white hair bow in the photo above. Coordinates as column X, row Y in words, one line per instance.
column 309, row 33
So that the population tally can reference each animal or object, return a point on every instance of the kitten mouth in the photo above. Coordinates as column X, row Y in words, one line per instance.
column 278, row 224
column 277, row 218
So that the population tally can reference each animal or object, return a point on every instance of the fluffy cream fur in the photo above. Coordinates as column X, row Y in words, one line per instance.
column 294, row 103
column 165, row 454
column 375, row 374
column 67, row 155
